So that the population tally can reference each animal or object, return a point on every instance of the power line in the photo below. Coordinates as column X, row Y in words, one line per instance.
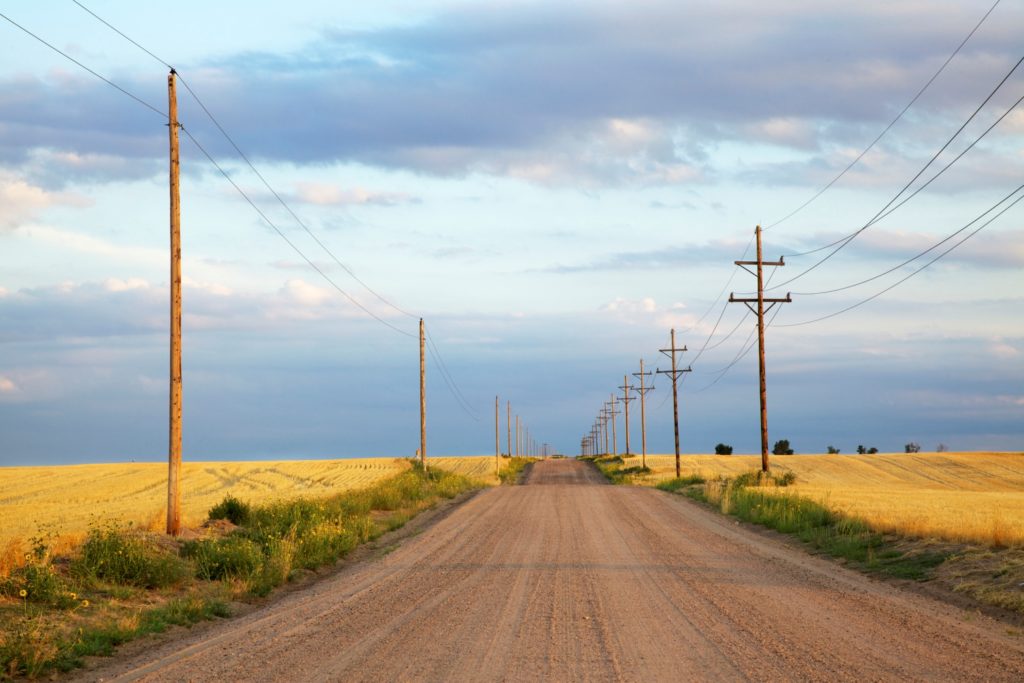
column 919, row 255
column 249, row 163
column 891, row 123
column 65, row 55
column 435, row 352
column 291, row 244
column 844, row 241
column 901, row 281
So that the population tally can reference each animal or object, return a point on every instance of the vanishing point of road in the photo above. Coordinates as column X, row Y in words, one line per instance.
column 566, row 578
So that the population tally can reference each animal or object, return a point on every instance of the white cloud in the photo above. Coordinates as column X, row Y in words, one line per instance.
column 7, row 385
column 327, row 194
column 21, row 202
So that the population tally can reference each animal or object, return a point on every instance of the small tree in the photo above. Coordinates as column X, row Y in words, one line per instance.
column 861, row 450
column 782, row 447
column 912, row 447
column 941, row 448
column 872, row 450
column 723, row 449
column 832, row 450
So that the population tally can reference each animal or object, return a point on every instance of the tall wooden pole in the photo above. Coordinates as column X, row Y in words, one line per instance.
column 760, row 352
column 174, row 445
column 614, row 414
column 423, row 397
column 626, row 398
column 497, row 439
column 508, row 425
column 518, row 436
column 674, row 373
column 643, row 413
column 760, row 311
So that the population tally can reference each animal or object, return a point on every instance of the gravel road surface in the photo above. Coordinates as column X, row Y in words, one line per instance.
column 567, row 578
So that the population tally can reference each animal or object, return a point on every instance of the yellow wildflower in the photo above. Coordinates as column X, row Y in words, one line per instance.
column 85, row 603
column 23, row 593
column 74, row 596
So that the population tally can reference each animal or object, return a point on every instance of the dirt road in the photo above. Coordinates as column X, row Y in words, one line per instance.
column 567, row 578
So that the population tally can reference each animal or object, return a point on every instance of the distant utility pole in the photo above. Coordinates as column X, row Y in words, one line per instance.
column 497, row 438
column 604, row 426
column 508, row 425
column 612, row 413
column 174, row 445
column 518, row 436
column 643, row 415
column 759, row 312
column 626, row 398
column 423, row 398
column 674, row 374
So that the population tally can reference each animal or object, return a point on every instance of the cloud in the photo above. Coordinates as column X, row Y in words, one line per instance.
column 715, row 251
column 22, row 202
column 325, row 194
column 7, row 385
column 613, row 94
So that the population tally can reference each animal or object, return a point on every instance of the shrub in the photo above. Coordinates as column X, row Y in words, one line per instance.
column 912, row 447
column 231, row 557
column 115, row 554
column 231, row 509
column 782, row 447
column 723, row 449
column 41, row 583
column 832, row 450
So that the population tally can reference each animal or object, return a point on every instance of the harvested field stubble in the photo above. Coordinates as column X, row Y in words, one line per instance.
column 960, row 497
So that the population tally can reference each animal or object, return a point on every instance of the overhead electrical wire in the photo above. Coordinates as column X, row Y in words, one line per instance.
column 435, row 352
column 916, row 272
column 919, row 255
column 888, row 127
column 843, row 242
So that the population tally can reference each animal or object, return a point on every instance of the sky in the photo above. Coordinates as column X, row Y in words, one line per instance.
column 552, row 186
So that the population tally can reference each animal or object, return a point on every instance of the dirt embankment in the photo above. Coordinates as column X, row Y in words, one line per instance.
column 566, row 578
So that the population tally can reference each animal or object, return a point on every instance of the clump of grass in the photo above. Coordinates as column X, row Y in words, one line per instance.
column 674, row 485
column 513, row 469
column 219, row 559
column 232, row 509
column 116, row 554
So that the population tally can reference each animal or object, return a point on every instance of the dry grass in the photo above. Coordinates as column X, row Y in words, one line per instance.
column 479, row 467
column 963, row 497
column 64, row 500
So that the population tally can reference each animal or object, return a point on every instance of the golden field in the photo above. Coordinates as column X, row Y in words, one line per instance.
column 973, row 497
column 67, row 499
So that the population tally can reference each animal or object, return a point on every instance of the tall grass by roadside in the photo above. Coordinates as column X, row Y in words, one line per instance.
column 757, row 498
column 614, row 468
column 123, row 582
column 513, row 469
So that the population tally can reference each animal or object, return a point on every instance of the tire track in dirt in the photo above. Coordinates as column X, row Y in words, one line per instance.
column 567, row 578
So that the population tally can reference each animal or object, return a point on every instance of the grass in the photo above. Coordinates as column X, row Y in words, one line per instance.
column 513, row 469
column 58, row 605
column 975, row 498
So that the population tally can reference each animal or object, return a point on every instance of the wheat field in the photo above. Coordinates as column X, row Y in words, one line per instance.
column 66, row 499
column 973, row 497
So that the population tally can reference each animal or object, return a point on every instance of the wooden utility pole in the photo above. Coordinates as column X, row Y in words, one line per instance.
column 518, row 436
column 626, row 398
column 674, row 373
column 497, row 438
column 643, row 415
column 613, row 413
column 423, row 398
column 174, row 445
column 759, row 312
column 508, row 425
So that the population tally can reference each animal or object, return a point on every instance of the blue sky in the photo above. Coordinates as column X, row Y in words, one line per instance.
column 552, row 186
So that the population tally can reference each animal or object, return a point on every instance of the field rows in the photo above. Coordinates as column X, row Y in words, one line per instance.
column 67, row 499
column 952, row 496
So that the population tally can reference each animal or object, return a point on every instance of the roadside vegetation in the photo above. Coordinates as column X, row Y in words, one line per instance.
column 513, row 469
column 991, row 574
column 58, row 606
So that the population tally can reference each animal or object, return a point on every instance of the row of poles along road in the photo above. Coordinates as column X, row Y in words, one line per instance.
column 596, row 441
